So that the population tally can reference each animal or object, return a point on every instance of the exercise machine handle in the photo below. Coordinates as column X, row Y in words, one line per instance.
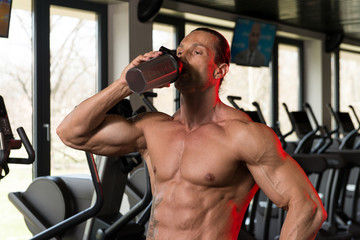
column 145, row 97
column 144, row 203
column 82, row 216
column 28, row 147
column 307, row 106
column 337, row 121
column 232, row 99
column 261, row 116
column 291, row 121
column 356, row 116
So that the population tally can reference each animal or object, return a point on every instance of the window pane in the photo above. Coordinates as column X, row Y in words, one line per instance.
column 73, row 69
column 289, row 84
column 16, row 89
column 164, row 35
column 251, row 84
column 349, row 81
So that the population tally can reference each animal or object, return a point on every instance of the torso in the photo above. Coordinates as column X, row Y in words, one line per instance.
column 201, row 187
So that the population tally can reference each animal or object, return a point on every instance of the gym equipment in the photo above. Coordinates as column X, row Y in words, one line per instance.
column 257, row 116
column 345, row 126
column 66, row 207
column 336, row 179
column 8, row 143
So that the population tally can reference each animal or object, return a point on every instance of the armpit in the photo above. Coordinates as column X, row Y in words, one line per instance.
column 137, row 117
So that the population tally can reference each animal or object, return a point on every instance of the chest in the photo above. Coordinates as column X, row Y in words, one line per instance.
column 205, row 156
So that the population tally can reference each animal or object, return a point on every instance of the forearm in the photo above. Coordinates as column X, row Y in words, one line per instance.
column 303, row 221
column 90, row 114
column 82, row 123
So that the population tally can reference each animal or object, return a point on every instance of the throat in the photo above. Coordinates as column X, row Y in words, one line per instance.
column 198, row 109
column 194, row 118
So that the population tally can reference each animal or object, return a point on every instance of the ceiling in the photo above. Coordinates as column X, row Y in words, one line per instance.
column 327, row 16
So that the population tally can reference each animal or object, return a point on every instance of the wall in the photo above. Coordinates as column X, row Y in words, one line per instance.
column 128, row 37
column 137, row 38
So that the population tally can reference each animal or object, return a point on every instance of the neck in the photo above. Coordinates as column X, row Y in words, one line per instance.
column 199, row 107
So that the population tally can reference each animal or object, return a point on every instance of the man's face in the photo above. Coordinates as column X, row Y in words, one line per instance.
column 254, row 36
column 197, row 51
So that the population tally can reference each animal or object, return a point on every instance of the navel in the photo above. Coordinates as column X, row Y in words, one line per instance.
column 210, row 177
column 154, row 170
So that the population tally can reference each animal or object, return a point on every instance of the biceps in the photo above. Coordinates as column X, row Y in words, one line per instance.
column 117, row 136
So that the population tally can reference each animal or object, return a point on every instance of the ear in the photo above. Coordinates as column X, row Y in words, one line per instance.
column 221, row 71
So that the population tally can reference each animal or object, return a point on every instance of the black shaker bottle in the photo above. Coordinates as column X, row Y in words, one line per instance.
column 155, row 72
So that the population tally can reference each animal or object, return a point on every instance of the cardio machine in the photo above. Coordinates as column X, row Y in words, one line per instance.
column 8, row 143
column 345, row 126
column 339, row 225
column 78, row 206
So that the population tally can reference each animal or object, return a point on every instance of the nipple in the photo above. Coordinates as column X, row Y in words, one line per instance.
column 210, row 177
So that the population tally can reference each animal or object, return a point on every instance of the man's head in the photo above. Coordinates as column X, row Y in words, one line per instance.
column 222, row 47
column 204, row 50
column 254, row 36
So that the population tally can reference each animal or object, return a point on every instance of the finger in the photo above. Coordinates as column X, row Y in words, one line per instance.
column 145, row 57
column 140, row 59
column 152, row 54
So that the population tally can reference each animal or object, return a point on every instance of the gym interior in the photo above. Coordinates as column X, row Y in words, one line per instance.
column 56, row 53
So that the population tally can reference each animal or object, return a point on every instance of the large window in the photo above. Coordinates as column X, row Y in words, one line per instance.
column 349, row 81
column 288, row 83
column 29, row 83
column 70, row 54
column 73, row 77
column 16, row 89
column 165, row 35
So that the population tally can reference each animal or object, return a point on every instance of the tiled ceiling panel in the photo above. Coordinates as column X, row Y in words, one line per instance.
column 327, row 16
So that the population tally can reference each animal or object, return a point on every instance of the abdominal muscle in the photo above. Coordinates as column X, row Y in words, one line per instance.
column 200, row 187
column 182, row 210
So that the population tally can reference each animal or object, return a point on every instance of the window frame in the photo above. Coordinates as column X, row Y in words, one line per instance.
column 337, row 83
column 41, row 71
column 275, row 75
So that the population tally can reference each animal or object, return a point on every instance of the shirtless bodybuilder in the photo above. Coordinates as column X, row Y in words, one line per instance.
column 207, row 160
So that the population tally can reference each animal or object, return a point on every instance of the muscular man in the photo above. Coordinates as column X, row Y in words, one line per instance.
column 207, row 160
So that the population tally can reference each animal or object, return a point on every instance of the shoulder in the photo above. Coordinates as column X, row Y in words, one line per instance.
column 254, row 141
column 241, row 125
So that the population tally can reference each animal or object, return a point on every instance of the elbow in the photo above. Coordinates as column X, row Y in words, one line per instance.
column 66, row 136
column 320, row 214
column 316, row 212
column 61, row 132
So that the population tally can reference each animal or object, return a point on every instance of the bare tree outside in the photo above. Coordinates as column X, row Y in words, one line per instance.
column 350, row 82
column 16, row 89
column 73, row 76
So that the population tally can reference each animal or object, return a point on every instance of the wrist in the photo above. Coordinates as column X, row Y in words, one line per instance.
column 123, row 88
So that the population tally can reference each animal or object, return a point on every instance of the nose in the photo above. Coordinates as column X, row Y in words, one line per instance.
column 183, row 57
